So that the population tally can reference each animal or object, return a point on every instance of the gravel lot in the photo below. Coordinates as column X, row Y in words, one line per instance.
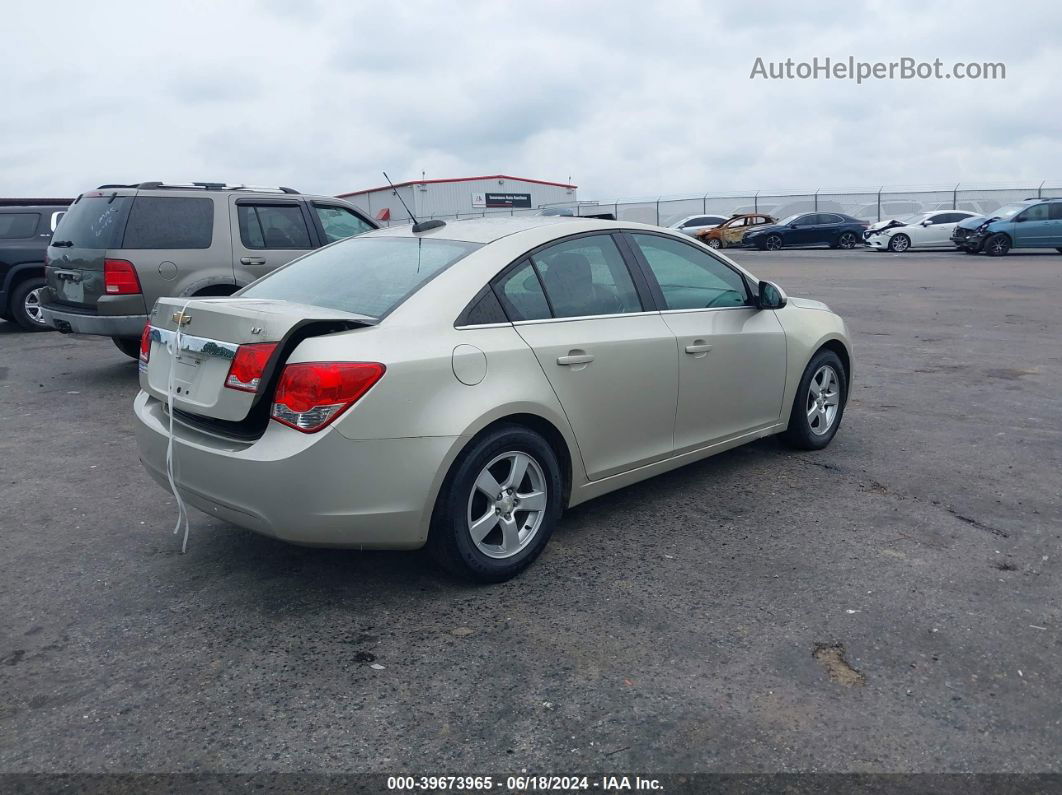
column 889, row 604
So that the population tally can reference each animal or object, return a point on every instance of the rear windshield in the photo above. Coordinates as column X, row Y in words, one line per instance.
column 366, row 276
column 94, row 222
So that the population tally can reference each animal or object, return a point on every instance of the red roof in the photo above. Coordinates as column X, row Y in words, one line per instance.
column 456, row 179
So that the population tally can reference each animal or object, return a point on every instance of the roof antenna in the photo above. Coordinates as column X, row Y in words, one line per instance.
column 417, row 225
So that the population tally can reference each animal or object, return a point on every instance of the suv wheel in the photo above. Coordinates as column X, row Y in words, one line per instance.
column 997, row 245
column 130, row 347
column 498, row 507
column 26, row 305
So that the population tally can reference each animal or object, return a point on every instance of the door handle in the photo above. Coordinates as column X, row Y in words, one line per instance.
column 575, row 358
column 253, row 260
column 698, row 348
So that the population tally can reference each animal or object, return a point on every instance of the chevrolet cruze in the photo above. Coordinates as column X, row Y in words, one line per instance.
column 457, row 386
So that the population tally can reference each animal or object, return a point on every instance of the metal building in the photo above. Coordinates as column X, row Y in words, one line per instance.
column 461, row 197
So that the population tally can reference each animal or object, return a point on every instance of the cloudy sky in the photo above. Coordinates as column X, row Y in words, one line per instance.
column 626, row 98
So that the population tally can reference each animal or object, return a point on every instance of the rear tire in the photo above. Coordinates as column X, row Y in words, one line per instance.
column 130, row 347
column 25, row 306
column 479, row 530
column 713, row 242
column 846, row 240
column 822, row 386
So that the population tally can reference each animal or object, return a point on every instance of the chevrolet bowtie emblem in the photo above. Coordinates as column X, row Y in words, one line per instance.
column 181, row 319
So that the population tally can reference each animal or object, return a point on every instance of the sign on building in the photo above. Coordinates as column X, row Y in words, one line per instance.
column 506, row 200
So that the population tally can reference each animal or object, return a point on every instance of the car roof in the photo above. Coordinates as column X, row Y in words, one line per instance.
column 488, row 230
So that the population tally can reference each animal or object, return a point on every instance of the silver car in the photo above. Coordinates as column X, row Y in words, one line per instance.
column 459, row 387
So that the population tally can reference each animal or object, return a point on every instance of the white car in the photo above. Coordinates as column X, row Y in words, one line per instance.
column 692, row 224
column 922, row 230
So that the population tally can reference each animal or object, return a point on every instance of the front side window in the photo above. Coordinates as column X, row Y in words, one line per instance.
column 691, row 278
column 339, row 222
column 363, row 275
column 273, row 226
column 1038, row 212
column 18, row 225
column 1055, row 211
column 587, row 276
column 169, row 222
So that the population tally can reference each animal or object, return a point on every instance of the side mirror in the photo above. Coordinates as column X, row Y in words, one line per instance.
column 927, row 222
column 771, row 296
column 793, row 226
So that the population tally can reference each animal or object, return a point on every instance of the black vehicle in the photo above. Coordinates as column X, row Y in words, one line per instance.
column 26, row 226
column 835, row 230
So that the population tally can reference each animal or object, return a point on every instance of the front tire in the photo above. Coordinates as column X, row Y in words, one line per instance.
column 498, row 506
column 899, row 243
column 773, row 242
column 997, row 245
column 129, row 347
column 819, row 403
column 26, row 305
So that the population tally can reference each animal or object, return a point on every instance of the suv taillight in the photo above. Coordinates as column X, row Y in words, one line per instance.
column 145, row 344
column 245, row 372
column 119, row 277
column 312, row 394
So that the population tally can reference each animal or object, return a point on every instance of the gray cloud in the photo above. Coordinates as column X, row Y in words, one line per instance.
column 628, row 98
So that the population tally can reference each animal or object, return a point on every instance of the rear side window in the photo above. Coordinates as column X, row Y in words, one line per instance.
column 170, row 222
column 273, row 226
column 94, row 221
column 363, row 275
column 522, row 293
column 587, row 276
column 339, row 222
column 16, row 225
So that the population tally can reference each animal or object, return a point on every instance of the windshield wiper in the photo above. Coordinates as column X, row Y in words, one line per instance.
column 63, row 243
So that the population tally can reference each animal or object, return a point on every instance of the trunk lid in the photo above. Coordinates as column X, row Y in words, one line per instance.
column 212, row 329
column 76, row 275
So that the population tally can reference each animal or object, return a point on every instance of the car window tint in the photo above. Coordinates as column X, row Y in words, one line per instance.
column 1038, row 212
column 273, row 226
column 339, row 222
column 94, row 221
column 487, row 309
column 16, row 225
column 363, row 275
column 830, row 218
column 690, row 278
column 808, row 220
column 161, row 222
column 587, row 276
column 1055, row 211
column 522, row 293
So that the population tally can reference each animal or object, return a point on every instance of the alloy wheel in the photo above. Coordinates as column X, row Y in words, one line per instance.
column 900, row 243
column 848, row 240
column 507, row 504
column 713, row 242
column 773, row 242
column 32, row 307
column 824, row 398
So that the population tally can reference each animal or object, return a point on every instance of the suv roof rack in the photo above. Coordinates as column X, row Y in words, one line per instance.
column 204, row 186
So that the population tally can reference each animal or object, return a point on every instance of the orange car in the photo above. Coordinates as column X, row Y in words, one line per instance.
column 730, row 232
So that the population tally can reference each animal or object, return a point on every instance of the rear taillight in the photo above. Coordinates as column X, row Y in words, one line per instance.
column 247, row 367
column 119, row 277
column 312, row 394
column 145, row 344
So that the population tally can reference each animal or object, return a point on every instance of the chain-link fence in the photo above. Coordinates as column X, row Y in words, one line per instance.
column 874, row 204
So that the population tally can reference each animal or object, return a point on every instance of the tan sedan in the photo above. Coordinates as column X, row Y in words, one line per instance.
column 459, row 387
column 730, row 232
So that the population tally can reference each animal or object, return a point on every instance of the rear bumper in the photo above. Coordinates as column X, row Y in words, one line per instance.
column 312, row 489
column 69, row 321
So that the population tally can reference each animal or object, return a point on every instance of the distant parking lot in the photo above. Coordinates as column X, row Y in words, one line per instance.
column 888, row 604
